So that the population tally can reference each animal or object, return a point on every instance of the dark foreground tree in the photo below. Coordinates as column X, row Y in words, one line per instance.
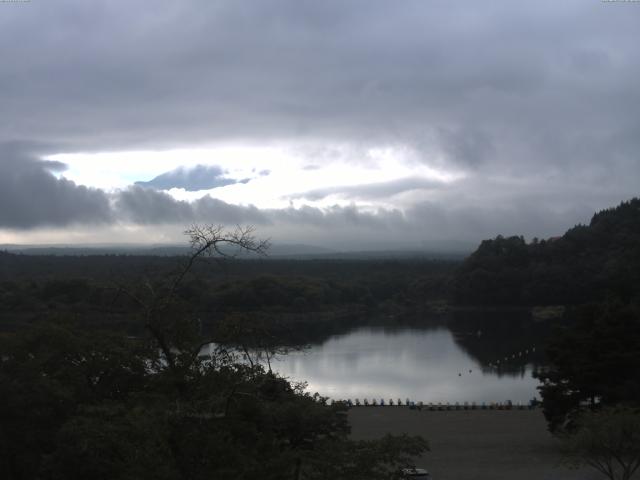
column 593, row 362
column 78, row 404
column 608, row 441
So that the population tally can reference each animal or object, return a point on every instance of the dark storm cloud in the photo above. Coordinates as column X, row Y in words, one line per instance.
column 505, row 91
column 31, row 196
column 468, row 147
column 147, row 207
column 373, row 190
column 200, row 177
column 338, row 217
column 53, row 166
column 463, row 222
column 111, row 74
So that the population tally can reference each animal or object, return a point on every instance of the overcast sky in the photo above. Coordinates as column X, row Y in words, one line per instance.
column 347, row 124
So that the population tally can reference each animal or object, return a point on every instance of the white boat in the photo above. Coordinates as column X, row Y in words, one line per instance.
column 415, row 473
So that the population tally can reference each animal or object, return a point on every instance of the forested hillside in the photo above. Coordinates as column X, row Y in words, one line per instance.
column 588, row 263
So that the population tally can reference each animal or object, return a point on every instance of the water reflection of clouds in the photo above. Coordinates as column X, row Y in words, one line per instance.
column 419, row 364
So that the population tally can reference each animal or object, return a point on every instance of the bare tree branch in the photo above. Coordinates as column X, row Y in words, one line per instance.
column 211, row 241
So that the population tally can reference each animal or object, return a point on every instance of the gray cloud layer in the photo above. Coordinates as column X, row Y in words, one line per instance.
column 147, row 207
column 491, row 82
column 535, row 101
column 376, row 190
column 200, row 177
column 30, row 195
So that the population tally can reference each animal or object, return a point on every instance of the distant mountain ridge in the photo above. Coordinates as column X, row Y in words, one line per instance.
column 587, row 263
column 139, row 249
column 200, row 177
column 276, row 251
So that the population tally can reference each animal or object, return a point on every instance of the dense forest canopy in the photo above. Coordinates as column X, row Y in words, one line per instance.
column 587, row 263
column 594, row 360
column 88, row 286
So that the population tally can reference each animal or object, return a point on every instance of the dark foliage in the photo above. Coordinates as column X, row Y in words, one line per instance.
column 594, row 362
column 324, row 294
column 586, row 264
column 608, row 441
column 76, row 404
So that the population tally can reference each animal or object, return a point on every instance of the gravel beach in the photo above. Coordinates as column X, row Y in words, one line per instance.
column 473, row 444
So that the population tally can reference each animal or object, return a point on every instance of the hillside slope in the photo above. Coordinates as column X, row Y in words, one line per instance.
column 588, row 263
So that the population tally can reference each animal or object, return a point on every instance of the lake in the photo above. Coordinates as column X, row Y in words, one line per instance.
column 437, row 364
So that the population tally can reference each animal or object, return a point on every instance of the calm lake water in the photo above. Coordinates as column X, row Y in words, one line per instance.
column 430, row 365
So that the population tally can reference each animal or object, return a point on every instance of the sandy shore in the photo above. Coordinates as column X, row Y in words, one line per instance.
column 473, row 445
